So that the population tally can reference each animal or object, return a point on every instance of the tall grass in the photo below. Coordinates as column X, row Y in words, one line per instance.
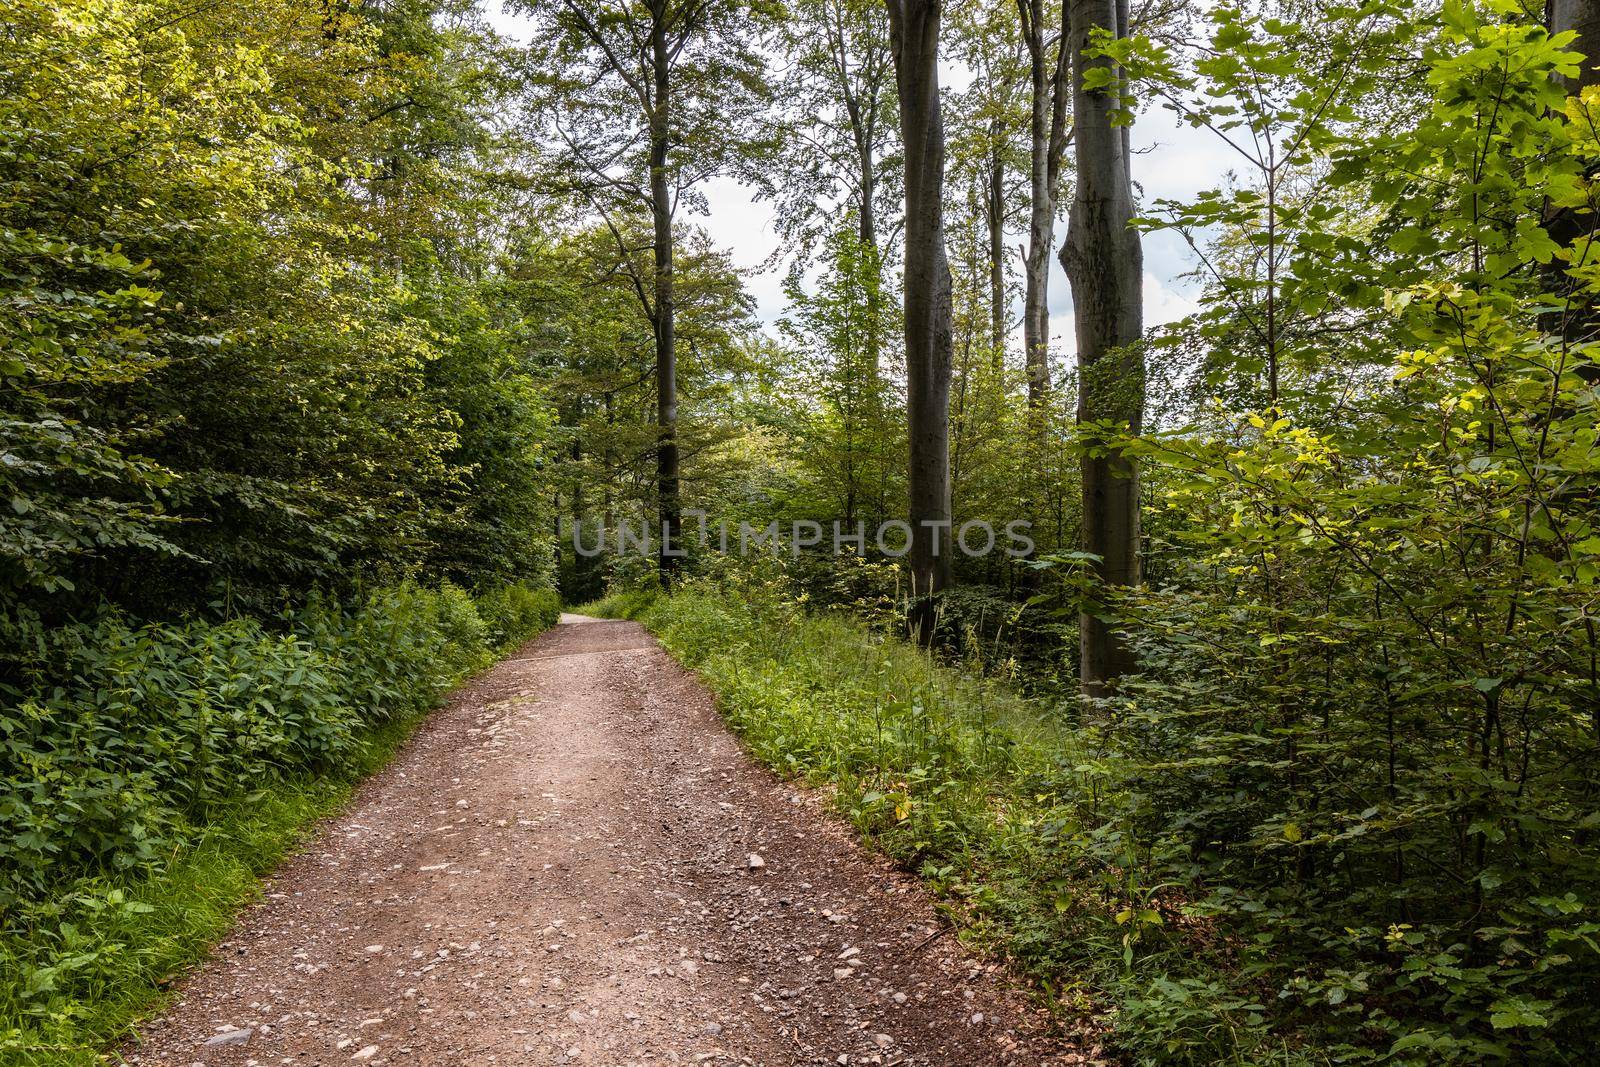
column 975, row 789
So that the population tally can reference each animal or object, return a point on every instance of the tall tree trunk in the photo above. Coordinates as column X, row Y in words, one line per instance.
column 664, row 318
column 1574, row 319
column 1583, row 17
column 1104, row 263
column 914, row 31
column 873, row 262
column 867, row 223
column 1047, row 142
column 995, row 216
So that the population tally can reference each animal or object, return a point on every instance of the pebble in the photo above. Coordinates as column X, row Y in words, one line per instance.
column 735, row 915
column 229, row 1037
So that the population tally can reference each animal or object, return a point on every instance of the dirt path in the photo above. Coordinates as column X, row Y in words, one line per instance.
column 557, row 869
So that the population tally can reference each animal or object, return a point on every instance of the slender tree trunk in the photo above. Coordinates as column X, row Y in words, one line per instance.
column 862, row 111
column 1104, row 263
column 914, row 30
column 868, row 235
column 583, row 567
column 1047, row 136
column 664, row 319
column 995, row 212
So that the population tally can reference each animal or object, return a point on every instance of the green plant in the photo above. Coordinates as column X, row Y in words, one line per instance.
column 512, row 612
column 130, row 749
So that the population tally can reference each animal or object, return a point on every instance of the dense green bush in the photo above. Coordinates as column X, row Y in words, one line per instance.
column 1215, row 878
column 514, row 611
column 121, row 742
column 244, row 347
column 622, row 603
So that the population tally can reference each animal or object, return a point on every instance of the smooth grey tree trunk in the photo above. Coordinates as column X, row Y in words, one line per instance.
column 1104, row 263
column 1566, row 225
column 914, row 31
column 1582, row 16
column 995, row 217
column 663, row 320
column 1049, row 91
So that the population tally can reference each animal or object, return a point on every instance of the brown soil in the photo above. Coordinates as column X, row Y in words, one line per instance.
column 557, row 869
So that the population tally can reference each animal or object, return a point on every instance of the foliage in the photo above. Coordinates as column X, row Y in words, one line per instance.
column 290, row 313
column 1362, row 751
column 125, row 745
column 512, row 613
column 225, row 373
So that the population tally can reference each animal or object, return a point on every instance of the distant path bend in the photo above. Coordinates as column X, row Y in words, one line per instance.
column 557, row 869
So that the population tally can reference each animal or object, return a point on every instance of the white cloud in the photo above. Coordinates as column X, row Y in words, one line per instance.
column 745, row 226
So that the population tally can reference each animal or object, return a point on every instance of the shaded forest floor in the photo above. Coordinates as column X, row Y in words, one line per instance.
column 575, row 862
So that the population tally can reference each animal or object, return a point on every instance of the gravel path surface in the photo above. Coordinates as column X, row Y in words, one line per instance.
column 573, row 861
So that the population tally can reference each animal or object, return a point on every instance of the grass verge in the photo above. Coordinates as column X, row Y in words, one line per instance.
column 972, row 787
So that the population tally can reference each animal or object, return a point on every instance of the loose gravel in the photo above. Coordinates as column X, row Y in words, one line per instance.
column 574, row 861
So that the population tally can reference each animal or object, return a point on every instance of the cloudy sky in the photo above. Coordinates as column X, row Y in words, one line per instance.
column 1173, row 161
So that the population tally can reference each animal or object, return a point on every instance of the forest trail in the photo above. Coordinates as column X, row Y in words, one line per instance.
column 558, row 869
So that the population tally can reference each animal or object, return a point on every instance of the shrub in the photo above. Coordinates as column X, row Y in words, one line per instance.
column 148, row 773
column 622, row 603
column 124, row 738
column 1222, row 880
column 512, row 612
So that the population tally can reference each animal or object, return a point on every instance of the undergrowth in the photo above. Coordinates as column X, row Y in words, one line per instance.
column 150, row 774
column 959, row 779
column 1059, row 844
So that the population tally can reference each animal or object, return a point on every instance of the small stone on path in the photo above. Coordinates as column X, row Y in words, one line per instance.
column 230, row 1037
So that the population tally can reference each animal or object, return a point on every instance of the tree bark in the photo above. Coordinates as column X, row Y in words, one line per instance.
column 914, row 31
column 995, row 216
column 663, row 320
column 1047, row 138
column 1104, row 263
column 1575, row 317
column 1582, row 16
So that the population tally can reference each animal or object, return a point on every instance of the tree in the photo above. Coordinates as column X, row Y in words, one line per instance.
column 840, row 325
column 832, row 191
column 914, row 31
column 1104, row 264
column 1049, row 68
column 642, row 102
column 838, row 125
column 985, row 140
